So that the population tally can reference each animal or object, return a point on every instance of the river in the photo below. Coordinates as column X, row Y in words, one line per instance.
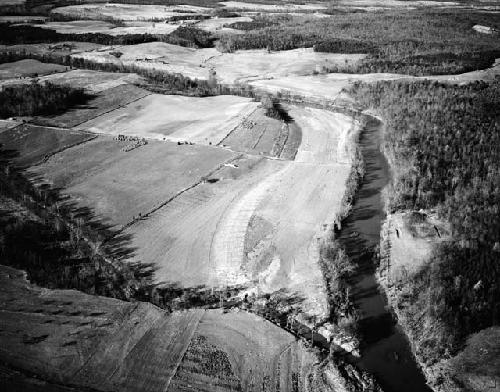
column 385, row 350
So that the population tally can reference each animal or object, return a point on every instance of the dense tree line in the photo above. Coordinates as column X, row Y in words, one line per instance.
column 26, row 34
column 443, row 145
column 413, row 42
column 38, row 99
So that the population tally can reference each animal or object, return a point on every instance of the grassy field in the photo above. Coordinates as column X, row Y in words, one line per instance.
column 103, row 102
column 28, row 68
column 99, row 26
column 33, row 144
column 198, row 120
column 120, row 185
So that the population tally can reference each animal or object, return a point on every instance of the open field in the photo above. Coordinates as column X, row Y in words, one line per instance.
column 34, row 143
column 259, row 134
column 93, row 81
column 99, row 26
column 28, row 68
column 87, row 341
column 240, row 5
column 120, row 185
column 220, row 216
column 177, row 118
column 127, row 11
column 101, row 103
column 240, row 66
column 217, row 24
column 60, row 48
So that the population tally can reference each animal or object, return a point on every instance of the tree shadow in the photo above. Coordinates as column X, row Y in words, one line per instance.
column 61, row 244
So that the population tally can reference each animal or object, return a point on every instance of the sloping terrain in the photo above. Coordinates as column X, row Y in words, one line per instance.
column 67, row 337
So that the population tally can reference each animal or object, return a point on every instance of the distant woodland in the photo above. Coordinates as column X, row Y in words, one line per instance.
column 443, row 145
column 38, row 99
column 416, row 43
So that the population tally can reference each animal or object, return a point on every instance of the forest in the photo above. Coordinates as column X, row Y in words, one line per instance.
column 24, row 34
column 38, row 99
column 442, row 142
column 418, row 43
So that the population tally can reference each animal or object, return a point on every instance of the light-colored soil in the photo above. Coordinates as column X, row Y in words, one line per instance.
column 241, row 66
column 93, row 81
column 98, row 104
column 179, row 238
column 119, row 185
column 259, row 134
column 8, row 124
column 22, row 18
column 98, row 26
column 32, row 144
column 176, row 118
column 273, row 7
column 216, row 24
column 126, row 11
column 68, row 337
column 297, row 199
column 28, row 67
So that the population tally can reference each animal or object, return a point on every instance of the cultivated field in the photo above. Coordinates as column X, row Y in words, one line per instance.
column 106, row 344
column 33, row 144
column 97, row 105
column 240, row 5
column 127, row 11
column 177, row 118
column 259, row 134
column 241, row 66
column 99, row 26
column 119, row 185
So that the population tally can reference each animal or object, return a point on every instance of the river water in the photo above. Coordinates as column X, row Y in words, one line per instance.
column 385, row 350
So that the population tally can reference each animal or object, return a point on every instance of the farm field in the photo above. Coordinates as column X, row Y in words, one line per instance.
column 99, row 26
column 129, row 12
column 241, row 66
column 29, row 68
column 60, row 48
column 240, row 5
column 99, row 104
column 296, row 200
column 119, row 185
column 259, row 134
column 32, row 144
column 176, row 118
column 103, row 343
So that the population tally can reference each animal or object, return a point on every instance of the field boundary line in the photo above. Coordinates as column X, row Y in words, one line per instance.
column 148, row 93
column 48, row 156
column 179, row 193
column 181, row 357
column 236, row 127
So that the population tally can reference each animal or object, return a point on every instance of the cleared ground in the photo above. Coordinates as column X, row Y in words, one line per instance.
column 273, row 7
column 98, row 26
column 241, row 66
column 29, row 67
column 177, row 118
column 97, row 105
column 127, row 11
column 260, row 134
column 119, row 185
column 68, row 337
column 31, row 144
column 296, row 200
